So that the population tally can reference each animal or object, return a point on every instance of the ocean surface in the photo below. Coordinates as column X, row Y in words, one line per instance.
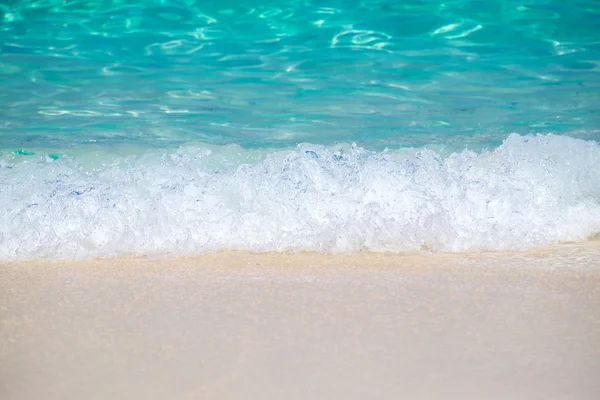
column 165, row 127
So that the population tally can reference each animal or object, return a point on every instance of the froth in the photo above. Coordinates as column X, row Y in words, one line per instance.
column 530, row 191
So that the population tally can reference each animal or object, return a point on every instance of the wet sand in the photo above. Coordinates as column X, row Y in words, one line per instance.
column 305, row 326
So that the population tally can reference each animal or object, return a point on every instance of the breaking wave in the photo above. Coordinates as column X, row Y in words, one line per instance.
column 529, row 191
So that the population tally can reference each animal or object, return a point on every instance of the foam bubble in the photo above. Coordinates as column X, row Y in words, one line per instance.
column 530, row 191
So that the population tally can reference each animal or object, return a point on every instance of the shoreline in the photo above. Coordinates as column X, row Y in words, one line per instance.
column 273, row 259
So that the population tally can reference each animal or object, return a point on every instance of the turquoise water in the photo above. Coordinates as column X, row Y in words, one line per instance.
column 183, row 126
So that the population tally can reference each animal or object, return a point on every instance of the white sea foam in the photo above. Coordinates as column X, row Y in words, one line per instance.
column 530, row 191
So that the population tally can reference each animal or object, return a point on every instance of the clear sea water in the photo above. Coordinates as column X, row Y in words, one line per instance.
column 176, row 127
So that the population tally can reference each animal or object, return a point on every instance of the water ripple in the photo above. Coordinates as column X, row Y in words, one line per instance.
column 381, row 71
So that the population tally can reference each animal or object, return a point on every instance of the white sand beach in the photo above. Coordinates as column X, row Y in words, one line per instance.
column 305, row 326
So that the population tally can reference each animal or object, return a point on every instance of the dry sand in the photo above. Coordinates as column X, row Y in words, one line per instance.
column 305, row 326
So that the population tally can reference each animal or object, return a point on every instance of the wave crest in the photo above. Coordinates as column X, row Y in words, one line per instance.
column 530, row 191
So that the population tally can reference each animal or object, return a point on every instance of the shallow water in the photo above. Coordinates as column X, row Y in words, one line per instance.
column 172, row 126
